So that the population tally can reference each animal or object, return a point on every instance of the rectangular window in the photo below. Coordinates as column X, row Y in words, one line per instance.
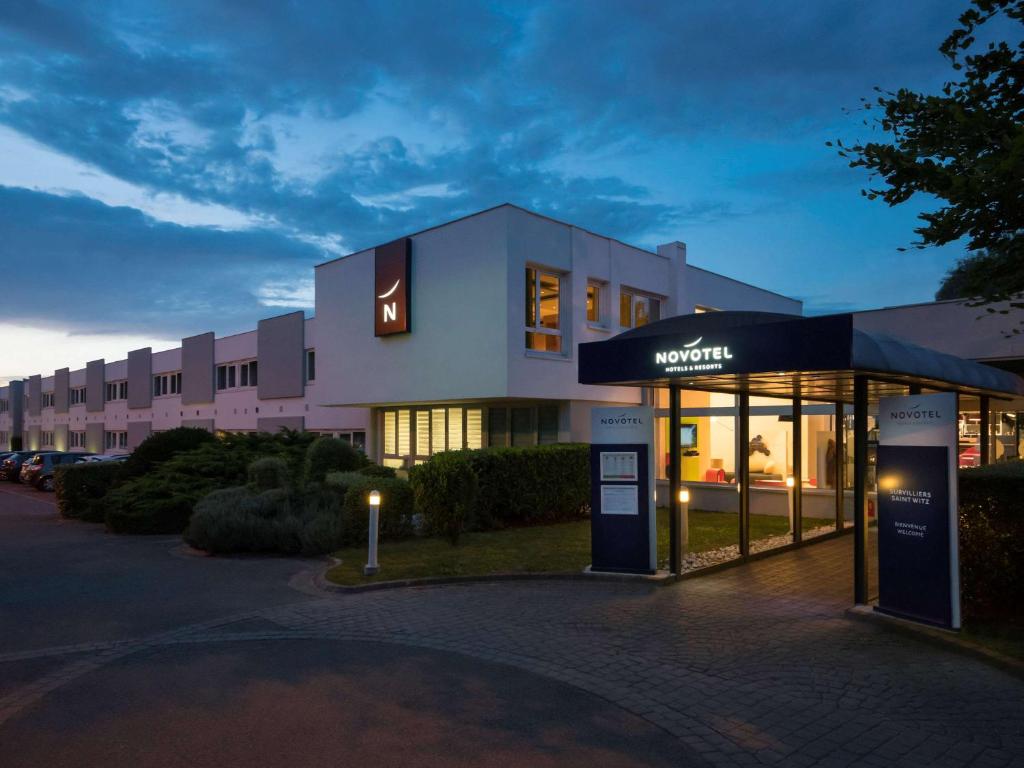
column 454, row 429
column 253, row 377
column 244, row 373
column 636, row 310
column 522, row 427
column 543, row 307
column 390, row 433
column 547, row 424
column 231, row 376
column 122, row 390
column 222, row 377
column 422, row 433
column 594, row 303
column 404, row 448
column 437, row 431
column 156, row 386
column 474, row 428
column 310, row 365
column 359, row 440
column 164, row 384
column 497, row 427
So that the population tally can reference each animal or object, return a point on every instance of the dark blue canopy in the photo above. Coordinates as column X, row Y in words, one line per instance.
column 775, row 354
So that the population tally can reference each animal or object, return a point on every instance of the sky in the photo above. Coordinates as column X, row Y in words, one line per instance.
column 168, row 168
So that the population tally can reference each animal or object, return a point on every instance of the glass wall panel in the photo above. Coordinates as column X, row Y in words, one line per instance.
column 454, row 429
column 437, row 431
column 474, row 428
column 390, row 432
column 404, row 446
column 497, row 427
column 547, row 424
column 522, row 427
column 422, row 433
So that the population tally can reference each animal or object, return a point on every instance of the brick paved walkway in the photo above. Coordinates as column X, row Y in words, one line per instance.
column 751, row 666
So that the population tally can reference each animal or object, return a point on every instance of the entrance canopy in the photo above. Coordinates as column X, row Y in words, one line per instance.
column 781, row 356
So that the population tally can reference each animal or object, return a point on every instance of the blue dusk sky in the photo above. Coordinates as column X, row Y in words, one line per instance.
column 172, row 167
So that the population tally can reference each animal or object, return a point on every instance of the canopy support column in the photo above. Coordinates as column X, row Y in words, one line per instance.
column 860, row 496
column 798, row 478
column 840, row 468
column 674, row 475
column 743, row 471
column 984, row 431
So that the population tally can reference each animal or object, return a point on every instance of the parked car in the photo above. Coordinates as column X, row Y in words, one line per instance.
column 103, row 457
column 10, row 468
column 38, row 471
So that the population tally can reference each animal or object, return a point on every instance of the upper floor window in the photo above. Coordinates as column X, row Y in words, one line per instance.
column 234, row 375
column 47, row 399
column 310, row 365
column 117, row 390
column 78, row 396
column 637, row 309
column 167, row 384
column 4, row 407
column 543, row 310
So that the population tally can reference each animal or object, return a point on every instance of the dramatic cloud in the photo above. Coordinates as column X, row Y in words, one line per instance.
column 318, row 128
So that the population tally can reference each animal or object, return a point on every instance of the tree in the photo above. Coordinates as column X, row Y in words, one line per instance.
column 964, row 147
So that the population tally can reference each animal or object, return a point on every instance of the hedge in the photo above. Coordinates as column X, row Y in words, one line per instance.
column 992, row 541
column 517, row 486
column 161, row 446
column 446, row 492
column 329, row 454
column 80, row 488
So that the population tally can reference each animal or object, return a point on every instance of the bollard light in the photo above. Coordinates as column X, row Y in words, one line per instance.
column 790, row 485
column 683, row 538
column 371, row 558
column 790, row 481
column 684, row 495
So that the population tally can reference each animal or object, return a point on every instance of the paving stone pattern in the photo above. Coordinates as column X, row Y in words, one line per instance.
column 751, row 666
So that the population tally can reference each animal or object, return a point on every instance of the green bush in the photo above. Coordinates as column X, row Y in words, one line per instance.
column 80, row 488
column 329, row 454
column 161, row 501
column 396, row 509
column 161, row 446
column 516, row 486
column 446, row 492
column 268, row 473
column 376, row 470
column 992, row 541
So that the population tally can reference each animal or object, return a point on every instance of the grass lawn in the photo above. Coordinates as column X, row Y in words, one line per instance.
column 564, row 547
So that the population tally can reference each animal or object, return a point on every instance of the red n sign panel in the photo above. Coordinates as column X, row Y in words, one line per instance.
column 391, row 287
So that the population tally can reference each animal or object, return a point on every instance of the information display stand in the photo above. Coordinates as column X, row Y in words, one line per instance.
column 918, row 559
column 623, row 533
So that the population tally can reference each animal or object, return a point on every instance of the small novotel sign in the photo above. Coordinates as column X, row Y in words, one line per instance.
column 693, row 357
column 392, row 297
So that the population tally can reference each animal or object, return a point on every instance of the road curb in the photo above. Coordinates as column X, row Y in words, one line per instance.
column 938, row 637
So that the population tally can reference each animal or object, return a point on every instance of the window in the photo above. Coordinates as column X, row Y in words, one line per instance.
column 497, row 427
column 474, row 428
column 76, row 439
column 310, row 365
column 47, row 438
column 247, row 374
column 3, row 406
column 454, row 429
column 117, row 390
column 437, row 431
column 547, row 424
column 78, row 396
column 636, row 309
column 594, row 304
column 390, row 432
column 543, row 325
column 222, row 377
column 403, row 433
column 522, row 427
column 422, row 433
column 115, row 440
column 231, row 376
column 166, row 383
column 176, row 383
column 47, row 399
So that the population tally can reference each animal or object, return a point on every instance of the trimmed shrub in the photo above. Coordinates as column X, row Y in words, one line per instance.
column 161, row 446
column 992, row 541
column 268, row 473
column 376, row 470
column 446, row 491
column 339, row 482
column 515, row 486
column 329, row 454
column 396, row 509
column 80, row 488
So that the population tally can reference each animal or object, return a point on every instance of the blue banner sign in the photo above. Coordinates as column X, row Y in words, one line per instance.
column 913, row 533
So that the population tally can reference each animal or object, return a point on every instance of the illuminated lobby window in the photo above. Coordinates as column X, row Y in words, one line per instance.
column 636, row 310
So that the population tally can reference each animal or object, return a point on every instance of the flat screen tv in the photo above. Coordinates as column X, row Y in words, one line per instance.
column 688, row 436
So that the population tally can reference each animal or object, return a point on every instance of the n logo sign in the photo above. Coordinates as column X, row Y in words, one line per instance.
column 391, row 302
